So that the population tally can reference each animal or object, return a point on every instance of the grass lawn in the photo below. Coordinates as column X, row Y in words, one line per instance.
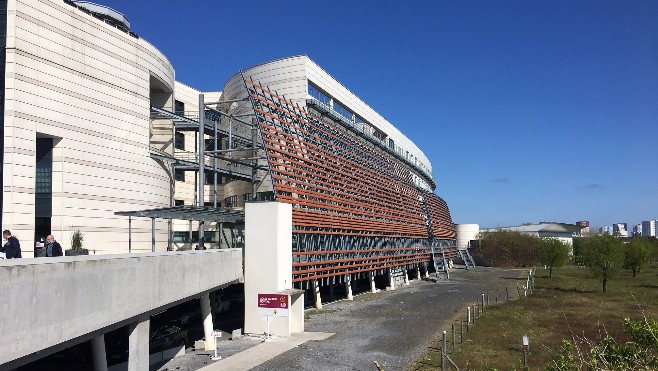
column 571, row 305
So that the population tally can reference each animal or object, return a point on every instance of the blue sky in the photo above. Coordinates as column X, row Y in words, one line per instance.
column 528, row 110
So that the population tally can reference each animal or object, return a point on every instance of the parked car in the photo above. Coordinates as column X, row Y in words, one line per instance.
column 167, row 337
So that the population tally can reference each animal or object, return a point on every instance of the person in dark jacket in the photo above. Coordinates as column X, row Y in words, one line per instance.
column 12, row 247
column 53, row 248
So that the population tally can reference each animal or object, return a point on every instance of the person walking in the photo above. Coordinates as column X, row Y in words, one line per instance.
column 12, row 248
column 53, row 248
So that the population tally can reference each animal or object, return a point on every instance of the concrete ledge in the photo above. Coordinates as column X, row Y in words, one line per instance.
column 49, row 301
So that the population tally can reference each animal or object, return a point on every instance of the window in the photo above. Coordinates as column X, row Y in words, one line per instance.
column 179, row 108
column 379, row 135
column 179, row 203
column 231, row 201
column 317, row 94
column 179, row 141
column 210, row 144
column 342, row 111
column 210, row 178
column 391, row 144
column 179, row 175
column 184, row 236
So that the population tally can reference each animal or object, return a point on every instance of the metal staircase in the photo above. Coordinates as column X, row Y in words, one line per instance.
column 442, row 272
column 467, row 258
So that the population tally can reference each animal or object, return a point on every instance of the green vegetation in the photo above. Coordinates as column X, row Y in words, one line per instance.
column 637, row 254
column 509, row 248
column 568, row 307
column 552, row 253
column 604, row 256
column 76, row 241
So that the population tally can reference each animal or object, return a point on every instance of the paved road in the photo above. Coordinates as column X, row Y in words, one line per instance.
column 393, row 328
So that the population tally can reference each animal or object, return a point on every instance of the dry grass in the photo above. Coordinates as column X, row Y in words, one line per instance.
column 567, row 305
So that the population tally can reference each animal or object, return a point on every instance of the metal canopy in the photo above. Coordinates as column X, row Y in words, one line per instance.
column 222, row 215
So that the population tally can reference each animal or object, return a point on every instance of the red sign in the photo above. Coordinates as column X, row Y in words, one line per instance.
column 272, row 301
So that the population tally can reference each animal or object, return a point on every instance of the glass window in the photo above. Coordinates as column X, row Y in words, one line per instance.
column 179, row 108
column 179, row 202
column 342, row 111
column 391, row 144
column 317, row 94
column 231, row 201
column 179, row 175
column 179, row 141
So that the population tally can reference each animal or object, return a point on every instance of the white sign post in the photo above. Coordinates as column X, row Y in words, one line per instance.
column 216, row 334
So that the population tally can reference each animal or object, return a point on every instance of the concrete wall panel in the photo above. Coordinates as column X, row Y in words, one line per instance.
column 46, row 302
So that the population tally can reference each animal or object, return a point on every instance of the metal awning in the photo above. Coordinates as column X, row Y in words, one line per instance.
column 211, row 214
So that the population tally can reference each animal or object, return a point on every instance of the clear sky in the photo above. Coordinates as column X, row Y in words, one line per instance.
column 528, row 110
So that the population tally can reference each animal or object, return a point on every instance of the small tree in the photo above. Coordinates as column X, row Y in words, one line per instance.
column 604, row 256
column 76, row 241
column 637, row 254
column 553, row 253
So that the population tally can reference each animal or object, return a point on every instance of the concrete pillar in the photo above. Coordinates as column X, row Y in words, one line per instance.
column 138, row 345
column 206, row 317
column 373, row 287
column 391, row 281
column 418, row 273
column 427, row 271
column 406, row 277
column 316, row 294
column 348, row 287
column 268, row 268
column 98, row 353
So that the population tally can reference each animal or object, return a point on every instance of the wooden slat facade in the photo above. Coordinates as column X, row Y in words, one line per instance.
column 355, row 207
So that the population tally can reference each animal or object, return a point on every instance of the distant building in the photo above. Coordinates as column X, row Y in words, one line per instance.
column 637, row 230
column 649, row 228
column 605, row 230
column 562, row 231
column 584, row 225
column 620, row 229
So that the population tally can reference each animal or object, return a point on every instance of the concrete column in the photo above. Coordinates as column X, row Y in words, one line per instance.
column 391, row 281
column 418, row 273
column 348, row 287
column 98, row 353
column 316, row 292
column 138, row 345
column 406, row 277
column 206, row 316
column 427, row 271
column 268, row 268
column 373, row 287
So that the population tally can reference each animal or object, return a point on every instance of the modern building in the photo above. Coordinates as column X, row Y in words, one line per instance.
column 99, row 137
column 637, row 230
column 649, row 228
column 584, row 225
column 620, row 229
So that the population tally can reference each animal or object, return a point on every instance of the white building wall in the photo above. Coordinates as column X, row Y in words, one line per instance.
column 466, row 233
column 289, row 77
column 75, row 78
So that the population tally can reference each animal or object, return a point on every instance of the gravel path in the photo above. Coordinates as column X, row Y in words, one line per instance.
column 394, row 328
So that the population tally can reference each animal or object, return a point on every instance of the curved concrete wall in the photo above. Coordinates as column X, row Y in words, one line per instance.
column 466, row 233
column 87, row 84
